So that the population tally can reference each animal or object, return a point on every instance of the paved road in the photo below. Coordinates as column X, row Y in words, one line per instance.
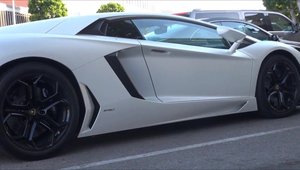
column 243, row 141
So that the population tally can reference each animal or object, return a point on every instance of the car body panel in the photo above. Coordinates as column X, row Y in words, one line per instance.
column 181, row 78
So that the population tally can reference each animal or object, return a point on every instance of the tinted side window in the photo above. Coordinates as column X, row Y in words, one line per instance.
column 122, row 29
column 248, row 29
column 96, row 28
column 280, row 23
column 178, row 32
column 258, row 19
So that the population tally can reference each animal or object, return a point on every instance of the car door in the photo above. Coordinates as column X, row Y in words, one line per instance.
column 191, row 62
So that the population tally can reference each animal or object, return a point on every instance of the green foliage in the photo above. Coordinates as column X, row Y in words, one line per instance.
column 45, row 9
column 111, row 7
column 287, row 7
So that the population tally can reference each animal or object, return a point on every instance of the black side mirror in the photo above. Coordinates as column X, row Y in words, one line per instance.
column 274, row 37
column 296, row 27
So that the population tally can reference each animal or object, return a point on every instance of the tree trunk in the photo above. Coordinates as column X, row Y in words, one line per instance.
column 292, row 12
column 293, row 16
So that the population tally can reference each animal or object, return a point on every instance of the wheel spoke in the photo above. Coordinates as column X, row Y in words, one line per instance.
column 292, row 94
column 29, row 88
column 36, row 91
column 12, row 115
column 52, row 125
column 37, row 79
column 26, row 128
column 274, row 100
column 16, row 109
column 51, row 97
column 45, row 110
column 270, row 90
column 285, row 77
column 275, row 73
column 282, row 100
column 32, row 131
column 272, row 96
column 271, row 76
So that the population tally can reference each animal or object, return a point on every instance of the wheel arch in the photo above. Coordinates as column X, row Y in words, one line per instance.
column 62, row 68
column 284, row 53
column 276, row 52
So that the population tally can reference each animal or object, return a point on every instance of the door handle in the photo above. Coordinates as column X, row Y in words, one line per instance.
column 159, row 51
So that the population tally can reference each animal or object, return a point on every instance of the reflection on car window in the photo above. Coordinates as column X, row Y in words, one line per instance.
column 178, row 32
column 280, row 23
column 235, row 25
column 122, row 29
column 247, row 29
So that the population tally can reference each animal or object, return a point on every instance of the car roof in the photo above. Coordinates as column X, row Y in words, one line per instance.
column 71, row 25
column 199, row 10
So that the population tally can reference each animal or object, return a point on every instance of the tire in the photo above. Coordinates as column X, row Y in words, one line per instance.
column 277, row 91
column 39, row 111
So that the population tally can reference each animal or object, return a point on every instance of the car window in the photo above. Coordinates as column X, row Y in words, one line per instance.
column 258, row 19
column 235, row 25
column 247, row 29
column 96, row 28
column 171, row 31
column 122, row 29
column 280, row 23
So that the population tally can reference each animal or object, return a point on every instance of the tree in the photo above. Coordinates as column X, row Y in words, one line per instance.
column 45, row 9
column 287, row 7
column 111, row 7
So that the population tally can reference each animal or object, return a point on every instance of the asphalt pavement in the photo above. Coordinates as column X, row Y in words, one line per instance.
column 242, row 141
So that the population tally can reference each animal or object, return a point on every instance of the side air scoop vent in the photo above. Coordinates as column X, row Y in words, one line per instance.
column 96, row 108
column 115, row 64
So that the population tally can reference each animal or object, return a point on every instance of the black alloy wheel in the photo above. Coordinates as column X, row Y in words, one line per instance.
column 278, row 87
column 39, row 110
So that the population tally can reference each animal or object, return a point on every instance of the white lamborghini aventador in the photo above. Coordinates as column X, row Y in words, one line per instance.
column 81, row 76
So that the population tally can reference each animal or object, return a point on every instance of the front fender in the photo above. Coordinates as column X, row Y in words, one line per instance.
column 262, row 49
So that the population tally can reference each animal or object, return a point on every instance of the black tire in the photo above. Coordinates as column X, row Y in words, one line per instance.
column 39, row 111
column 277, row 90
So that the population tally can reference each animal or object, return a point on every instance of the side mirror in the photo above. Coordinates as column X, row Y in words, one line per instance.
column 296, row 27
column 231, row 35
column 274, row 37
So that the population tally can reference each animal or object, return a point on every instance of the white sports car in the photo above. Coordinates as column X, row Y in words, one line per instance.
column 88, row 75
